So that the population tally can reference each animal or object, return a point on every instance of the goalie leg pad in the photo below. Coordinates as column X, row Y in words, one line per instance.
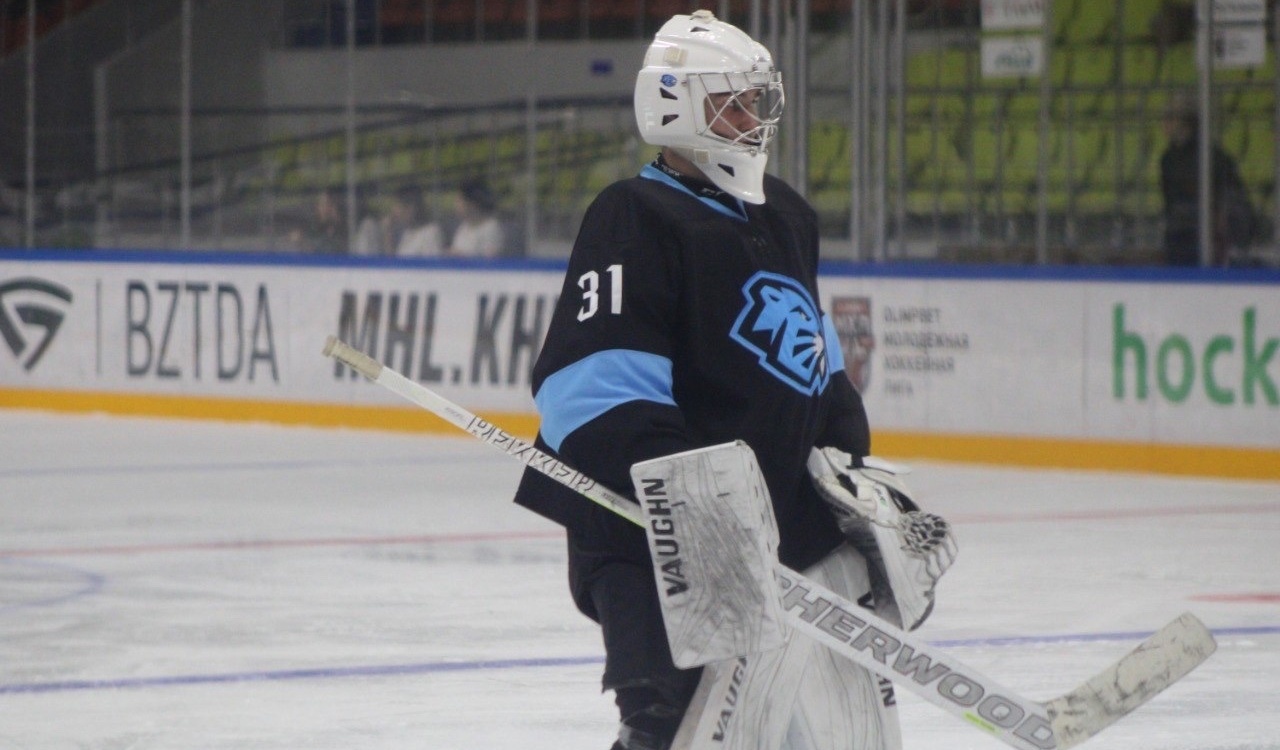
column 840, row 705
column 713, row 541
column 798, row 697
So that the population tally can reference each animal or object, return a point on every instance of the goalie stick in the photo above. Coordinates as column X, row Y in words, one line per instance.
column 876, row 644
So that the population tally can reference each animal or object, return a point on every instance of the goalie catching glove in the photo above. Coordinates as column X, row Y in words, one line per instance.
column 909, row 549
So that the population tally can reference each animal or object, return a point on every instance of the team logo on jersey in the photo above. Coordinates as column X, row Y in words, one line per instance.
column 781, row 324
column 31, row 311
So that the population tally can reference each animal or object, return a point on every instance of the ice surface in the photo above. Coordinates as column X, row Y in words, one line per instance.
column 172, row 584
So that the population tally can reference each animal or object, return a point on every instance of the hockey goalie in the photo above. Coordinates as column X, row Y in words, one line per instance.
column 688, row 358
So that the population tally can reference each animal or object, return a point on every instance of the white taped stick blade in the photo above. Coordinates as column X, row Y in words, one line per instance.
column 1158, row 662
column 713, row 540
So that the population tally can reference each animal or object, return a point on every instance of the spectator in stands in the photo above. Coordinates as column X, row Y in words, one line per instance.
column 1173, row 23
column 479, row 233
column 368, row 227
column 327, row 232
column 406, row 229
column 1233, row 216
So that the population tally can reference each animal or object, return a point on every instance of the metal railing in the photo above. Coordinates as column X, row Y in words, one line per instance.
column 911, row 142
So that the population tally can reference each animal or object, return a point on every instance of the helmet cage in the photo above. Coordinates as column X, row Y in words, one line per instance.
column 759, row 93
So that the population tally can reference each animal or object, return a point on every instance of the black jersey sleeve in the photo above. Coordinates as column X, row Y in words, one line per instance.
column 603, row 380
column 846, row 426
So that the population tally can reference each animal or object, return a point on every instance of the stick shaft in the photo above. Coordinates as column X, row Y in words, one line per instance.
column 486, row 432
column 846, row 628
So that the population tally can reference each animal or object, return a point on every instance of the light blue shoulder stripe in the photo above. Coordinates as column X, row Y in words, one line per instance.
column 651, row 172
column 595, row 384
column 835, row 355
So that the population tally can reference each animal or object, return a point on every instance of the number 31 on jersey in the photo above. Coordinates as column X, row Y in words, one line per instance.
column 589, row 283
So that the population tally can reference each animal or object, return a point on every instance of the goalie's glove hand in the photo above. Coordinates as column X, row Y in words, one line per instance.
column 875, row 493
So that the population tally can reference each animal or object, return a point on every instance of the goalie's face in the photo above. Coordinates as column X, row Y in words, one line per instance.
column 735, row 117
column 744, row 117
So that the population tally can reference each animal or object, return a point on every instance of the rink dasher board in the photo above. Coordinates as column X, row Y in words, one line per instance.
column 1157, row 358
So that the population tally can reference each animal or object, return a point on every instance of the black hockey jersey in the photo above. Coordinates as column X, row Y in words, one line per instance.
column 689, row 319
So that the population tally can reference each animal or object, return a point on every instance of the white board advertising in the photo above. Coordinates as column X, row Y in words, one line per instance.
column 1236, row 11
column 1012, row 56
column 1000, row 15
column 1168, row 363
column 256, row 331
column 1239, row 46
column 1146, row 361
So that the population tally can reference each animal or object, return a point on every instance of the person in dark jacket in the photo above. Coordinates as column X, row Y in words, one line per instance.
column 1232, row 215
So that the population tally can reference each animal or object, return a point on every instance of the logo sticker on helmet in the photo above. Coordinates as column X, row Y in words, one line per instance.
column 781, row 324
column 668, row 80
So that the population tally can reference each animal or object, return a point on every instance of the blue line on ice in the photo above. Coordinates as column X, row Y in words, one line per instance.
column 396, row 670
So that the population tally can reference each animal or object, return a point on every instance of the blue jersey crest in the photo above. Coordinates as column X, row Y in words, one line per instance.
column 781, row 324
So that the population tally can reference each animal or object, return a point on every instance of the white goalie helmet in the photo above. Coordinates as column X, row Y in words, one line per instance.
column 710, row 92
